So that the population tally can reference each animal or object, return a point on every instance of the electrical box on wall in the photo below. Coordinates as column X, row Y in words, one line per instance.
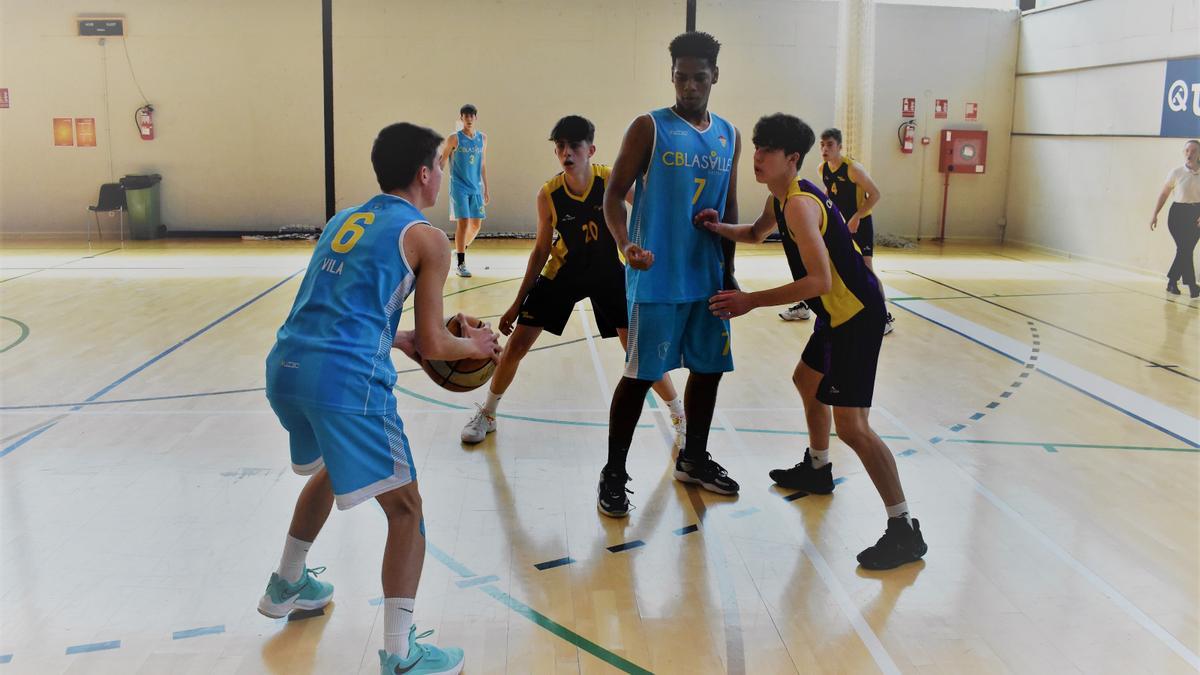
column 100, row 26
column 963, row 151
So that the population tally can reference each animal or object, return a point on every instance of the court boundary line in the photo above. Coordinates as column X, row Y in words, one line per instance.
column 161, row 355
column 1106, row 589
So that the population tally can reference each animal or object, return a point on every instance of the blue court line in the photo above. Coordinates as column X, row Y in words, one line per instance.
column 745, row 512
column 958, row 427
column 375, row 602
column 124, row 378
column 1006, row 394
column 5, row 658
column 197, row 632
column 551, row 564
column 993, row 404
column 618, row 548
column 94, row 647
column 794, row 496
column 839, row 481
column 1089, row 394
column 686, row 530
column 977, row 416
column 144, row 399
column 477, row 581
column 907, row 453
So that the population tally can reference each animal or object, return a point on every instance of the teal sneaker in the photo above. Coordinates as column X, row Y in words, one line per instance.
column 422, row 659
column 282, row 597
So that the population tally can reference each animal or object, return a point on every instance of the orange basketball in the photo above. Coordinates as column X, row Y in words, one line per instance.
column 463, row 374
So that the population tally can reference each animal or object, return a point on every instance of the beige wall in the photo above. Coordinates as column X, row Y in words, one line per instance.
column 237, row 93
column 237, row 87
column 1087, row 187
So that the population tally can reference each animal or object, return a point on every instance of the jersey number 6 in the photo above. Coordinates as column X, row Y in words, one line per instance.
column 351, row 231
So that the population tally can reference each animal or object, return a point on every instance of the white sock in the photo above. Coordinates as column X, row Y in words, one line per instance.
column 899, row 511
column 397, row 619
column 675, row 405
column 291, row 565
column 819, row 457
column 492, row 402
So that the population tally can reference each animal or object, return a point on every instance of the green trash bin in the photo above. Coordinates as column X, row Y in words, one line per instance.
column 144, row 205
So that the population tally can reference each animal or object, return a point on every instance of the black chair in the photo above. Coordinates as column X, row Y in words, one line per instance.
column 111, row 198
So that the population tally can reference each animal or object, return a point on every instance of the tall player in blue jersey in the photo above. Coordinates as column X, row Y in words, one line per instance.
column 837, row 368
column 330, row 377
column 467, row 152
column 682, row 159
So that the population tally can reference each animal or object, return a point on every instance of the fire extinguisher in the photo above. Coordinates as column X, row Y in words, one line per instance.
column 905, row 133
column 144, row 118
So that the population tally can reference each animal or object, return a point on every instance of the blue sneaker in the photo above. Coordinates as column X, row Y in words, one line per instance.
column 282, row 597
column 422, row 659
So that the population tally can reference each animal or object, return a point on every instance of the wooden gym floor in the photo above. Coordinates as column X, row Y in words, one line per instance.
column 1043, row 411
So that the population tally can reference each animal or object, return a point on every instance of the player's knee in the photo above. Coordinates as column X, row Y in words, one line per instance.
column 853, row 431
column 401, row 503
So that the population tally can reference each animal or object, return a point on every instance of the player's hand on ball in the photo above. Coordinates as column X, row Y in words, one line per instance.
column 728, row 304
column 509, row 319
column 487, row 344
column 707, row 219
column 637, row 257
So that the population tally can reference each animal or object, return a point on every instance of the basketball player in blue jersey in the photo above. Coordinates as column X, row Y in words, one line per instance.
column 681, row 160
column 469, row 197
column 330, row 377
column 855, row 194
column 837, row 368
column 573, row 258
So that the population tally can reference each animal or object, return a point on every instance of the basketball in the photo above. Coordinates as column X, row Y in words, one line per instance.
column 463, row 374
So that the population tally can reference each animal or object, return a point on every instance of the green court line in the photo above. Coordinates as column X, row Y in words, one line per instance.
column 564, row 632
column 472, row 288
column 1052, row 447
column 20, row 338
column 537, row 617
column 523, row 418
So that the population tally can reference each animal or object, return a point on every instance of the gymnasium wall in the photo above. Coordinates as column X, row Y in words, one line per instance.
column 1087, row 162
column 236, row 88
column 237, row 91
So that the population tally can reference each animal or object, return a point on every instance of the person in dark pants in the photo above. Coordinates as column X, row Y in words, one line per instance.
column 1183, row 220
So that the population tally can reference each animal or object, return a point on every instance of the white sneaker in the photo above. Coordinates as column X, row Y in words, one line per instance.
column 479, row 427
column 890, row 324
column 679, row 424
column 462, row 270
column 797, row 312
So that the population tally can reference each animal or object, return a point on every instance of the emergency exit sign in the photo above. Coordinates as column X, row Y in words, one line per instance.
column 106, row 27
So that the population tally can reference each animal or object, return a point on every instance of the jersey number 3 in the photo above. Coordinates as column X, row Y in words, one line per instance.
column 351, row 231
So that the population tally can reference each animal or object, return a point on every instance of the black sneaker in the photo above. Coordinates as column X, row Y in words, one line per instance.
column 805, row 478
column 1194, row 290
column 1173, row 288
column 611, row 500
column 706, row 473
column 900, row 544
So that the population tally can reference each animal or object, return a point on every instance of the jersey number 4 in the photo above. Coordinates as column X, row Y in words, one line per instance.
column 351, row 231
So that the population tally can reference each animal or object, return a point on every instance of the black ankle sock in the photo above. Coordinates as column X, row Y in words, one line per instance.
column 462, row 258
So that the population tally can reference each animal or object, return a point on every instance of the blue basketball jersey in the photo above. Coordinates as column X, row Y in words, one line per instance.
column 466, row 163
column 334, row 349
column 689, row 172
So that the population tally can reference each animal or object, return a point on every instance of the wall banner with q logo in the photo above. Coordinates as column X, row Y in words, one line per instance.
column 1181, row 99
